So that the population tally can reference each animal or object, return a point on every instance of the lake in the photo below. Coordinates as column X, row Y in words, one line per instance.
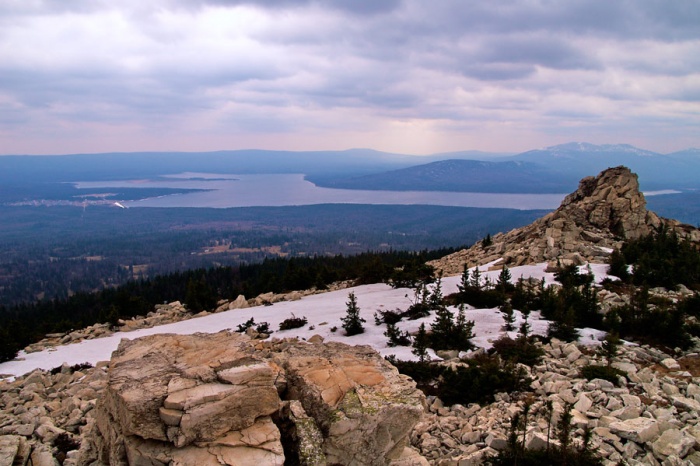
column 292, row 189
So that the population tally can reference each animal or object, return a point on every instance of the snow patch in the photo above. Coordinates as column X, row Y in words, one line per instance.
column 323, row 312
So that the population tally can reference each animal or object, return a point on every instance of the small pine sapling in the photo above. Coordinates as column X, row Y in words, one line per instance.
column 420, row 344
column 352, row 322
column 610, row 347
column 503, row 281
column 508, row 316
column 464, row 331
column 435, row 299
column 465, row 279
column 442, row 329
column 475, row 280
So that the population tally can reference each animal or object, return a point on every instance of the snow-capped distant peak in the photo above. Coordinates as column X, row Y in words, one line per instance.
column 586, row 147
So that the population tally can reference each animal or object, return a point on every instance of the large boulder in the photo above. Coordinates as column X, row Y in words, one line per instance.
column 215, row 399
column 364, row 407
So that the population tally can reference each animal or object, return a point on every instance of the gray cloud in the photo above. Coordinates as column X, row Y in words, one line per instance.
column 359, row 7
column 407, row 68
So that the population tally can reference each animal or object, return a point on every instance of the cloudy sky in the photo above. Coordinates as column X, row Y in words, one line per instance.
column 410, row 76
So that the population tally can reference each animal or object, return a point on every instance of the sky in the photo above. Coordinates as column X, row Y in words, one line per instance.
column 404, row 76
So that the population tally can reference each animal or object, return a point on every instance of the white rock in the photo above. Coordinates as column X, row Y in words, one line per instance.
column 583, row 404
column 640, row 430
column 671, row 364
column 686, row 403
column 673, row 442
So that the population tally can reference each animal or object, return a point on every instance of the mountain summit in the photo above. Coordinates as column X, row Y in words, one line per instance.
column 597, row 217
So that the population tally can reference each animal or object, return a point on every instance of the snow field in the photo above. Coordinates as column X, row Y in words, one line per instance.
column 323, row 312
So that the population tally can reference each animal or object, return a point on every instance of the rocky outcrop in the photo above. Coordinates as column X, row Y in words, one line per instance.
column 218, row 399
column 590, row 222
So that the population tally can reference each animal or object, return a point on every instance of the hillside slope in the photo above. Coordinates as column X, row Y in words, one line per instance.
column 461, row 176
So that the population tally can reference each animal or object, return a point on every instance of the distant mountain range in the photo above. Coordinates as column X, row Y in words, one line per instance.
column 460, row 176
column 555, row 169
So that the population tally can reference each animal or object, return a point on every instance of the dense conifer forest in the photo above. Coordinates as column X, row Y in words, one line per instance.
column 54, row 252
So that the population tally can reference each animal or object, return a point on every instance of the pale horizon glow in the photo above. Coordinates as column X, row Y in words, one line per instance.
column 404, row 76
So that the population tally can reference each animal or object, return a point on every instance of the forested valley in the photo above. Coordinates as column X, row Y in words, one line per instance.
column 55, row 252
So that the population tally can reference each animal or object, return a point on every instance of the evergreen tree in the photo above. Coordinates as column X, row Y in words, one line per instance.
column 525, row 328
column 508, row 316
column 503, row 283
column 442, row 330
column 435, row 300
column 464, row 331
column 352, row 322
column 475, row 280
column 199, row 295
column 464, row 279
column 563, row 326
column 420, row 344
column 8, row 346
column 610, row 347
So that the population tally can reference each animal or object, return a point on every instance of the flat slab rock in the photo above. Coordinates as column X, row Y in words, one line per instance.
column 640, row 430
column 215, row 399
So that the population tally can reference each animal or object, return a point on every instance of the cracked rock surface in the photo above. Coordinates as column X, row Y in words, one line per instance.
column 219, row 399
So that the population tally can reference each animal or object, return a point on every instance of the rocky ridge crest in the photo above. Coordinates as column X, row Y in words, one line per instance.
column 597, row 217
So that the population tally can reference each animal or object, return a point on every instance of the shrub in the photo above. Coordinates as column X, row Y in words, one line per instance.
column 262, row 327
column 73, row 368
column 421, row 305
column 387, row 317
column 424, row 373
column 411, row 274
column 448, row 334
column 608, row 373
column 480, row 381
column 521, row 350
column 417, row 311
column 293, row 322
column 477, row 383
column 396, row 336
column 662, row 324
column 662, row 259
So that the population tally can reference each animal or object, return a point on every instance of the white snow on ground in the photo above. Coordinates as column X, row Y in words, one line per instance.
column 323, row 312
